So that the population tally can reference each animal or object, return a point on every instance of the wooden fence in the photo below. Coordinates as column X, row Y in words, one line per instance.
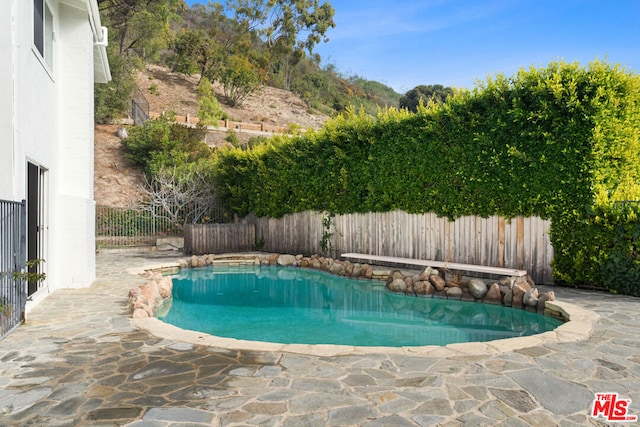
column 216, row 238
column 521, row 243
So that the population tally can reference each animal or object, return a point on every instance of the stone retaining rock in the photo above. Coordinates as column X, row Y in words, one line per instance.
column 286, row 260
column 454, row 292
column 438, row 282
column 478, row 288
column 423, row 287
column 397, row 285
column 493, row 295
column 145, row 299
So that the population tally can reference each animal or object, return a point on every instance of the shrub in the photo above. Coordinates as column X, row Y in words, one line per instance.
column 209, row 110
column 183, row 193
column 601, row 248
column 232, row 138
column 162, row 143
column 621, row 259
column 256, row 140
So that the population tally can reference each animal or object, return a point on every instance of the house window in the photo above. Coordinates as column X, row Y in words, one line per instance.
column 43, row 31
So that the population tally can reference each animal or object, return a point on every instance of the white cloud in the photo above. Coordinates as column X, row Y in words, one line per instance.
column 357, row 22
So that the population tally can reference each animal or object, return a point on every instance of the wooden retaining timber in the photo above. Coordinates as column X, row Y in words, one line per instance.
column 224, row 125
column 436, row 264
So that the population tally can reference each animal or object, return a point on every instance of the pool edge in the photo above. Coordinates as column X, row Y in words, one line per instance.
column 579, row 327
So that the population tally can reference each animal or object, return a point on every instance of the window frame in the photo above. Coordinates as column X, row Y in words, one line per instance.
column 43, row 34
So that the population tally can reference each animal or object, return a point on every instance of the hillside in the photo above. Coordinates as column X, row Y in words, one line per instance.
column 117, row 183
column 169, row 91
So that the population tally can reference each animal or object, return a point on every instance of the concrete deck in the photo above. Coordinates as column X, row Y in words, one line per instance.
column 80, row 360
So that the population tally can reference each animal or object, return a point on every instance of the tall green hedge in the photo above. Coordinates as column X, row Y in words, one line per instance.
column 601, row 248
column 561, row 142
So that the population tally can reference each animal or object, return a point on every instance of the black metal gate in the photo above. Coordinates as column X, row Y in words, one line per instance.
column 13, row 244
column 139, row 108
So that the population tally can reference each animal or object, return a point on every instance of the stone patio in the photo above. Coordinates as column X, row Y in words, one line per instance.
column 80, row 360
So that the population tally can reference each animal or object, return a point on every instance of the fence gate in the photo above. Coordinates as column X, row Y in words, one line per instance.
column 13, row 244
column 139, row 108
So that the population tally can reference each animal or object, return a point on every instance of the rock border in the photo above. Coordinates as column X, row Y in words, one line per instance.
column 145, row 299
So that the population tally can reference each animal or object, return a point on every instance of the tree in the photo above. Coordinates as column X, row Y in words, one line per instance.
column 196, row 16
column 424, row 93
column 240, row 78
column 114, row 98
column 138, row 28
column 195, row 51
column 141, row 26
column 281, row 23
column 209, row 37
column 182, row 194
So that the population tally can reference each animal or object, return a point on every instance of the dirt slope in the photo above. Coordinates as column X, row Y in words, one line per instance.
column 169, row 91
column 117, row 183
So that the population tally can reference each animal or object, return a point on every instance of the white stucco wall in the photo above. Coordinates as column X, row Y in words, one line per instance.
column 7, row 149
column 46, row 117
column 75, row 235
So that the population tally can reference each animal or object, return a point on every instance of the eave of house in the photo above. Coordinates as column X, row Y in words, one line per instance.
column 101, row 71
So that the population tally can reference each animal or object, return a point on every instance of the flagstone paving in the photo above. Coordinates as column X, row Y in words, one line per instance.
column 79, row 360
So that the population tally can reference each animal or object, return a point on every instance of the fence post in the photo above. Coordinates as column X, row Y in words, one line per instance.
column 188, row 231
column 22, row 258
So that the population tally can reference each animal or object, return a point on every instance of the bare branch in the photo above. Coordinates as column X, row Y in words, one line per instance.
column 180, row 196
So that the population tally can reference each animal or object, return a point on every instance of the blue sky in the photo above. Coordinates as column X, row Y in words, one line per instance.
column 455, row 42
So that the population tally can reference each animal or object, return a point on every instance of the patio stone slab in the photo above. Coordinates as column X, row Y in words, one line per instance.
column 183, row 415
column 80, row 360
column 557, row 395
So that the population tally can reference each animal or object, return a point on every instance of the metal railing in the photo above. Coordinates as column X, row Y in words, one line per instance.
column 130, row 226
column 13, row 250
column 142, row 225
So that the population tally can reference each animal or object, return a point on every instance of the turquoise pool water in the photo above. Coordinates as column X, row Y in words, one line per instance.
column 293, row 305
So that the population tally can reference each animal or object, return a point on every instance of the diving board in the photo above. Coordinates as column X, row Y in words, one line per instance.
column 435, row 264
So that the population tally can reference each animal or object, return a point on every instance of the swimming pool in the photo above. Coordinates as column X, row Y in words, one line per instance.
column 303, row 306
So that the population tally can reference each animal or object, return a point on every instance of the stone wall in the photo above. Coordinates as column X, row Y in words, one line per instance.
column 516, row 292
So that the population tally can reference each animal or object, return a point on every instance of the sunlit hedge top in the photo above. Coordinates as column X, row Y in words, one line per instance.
column 544, row 142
